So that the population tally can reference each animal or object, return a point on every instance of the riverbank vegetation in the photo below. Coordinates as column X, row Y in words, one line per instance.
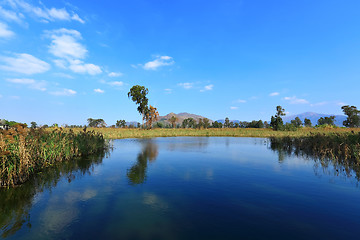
column 24, row 152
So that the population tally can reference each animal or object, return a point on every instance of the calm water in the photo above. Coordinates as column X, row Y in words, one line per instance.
column 186, row 188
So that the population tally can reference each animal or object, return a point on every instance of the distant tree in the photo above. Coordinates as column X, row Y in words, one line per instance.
column 96, row 122
column 231, row 125
column 206, row 123
column 120, row 123
column 236, row 125
column 33, row 125
column 296, row 122
column 173, row 120
column 277, row 122
column 152, row 115
column 353, row 119
column 260, row 124
column 266, row 124
column 326, row 121
column 138, row 95
column 227, row 123
column 217, row 124
column 307, row 122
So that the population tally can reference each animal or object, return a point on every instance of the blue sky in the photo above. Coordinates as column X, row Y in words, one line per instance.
column 63, row 62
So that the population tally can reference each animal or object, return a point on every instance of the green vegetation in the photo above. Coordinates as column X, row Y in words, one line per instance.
column 24, row 152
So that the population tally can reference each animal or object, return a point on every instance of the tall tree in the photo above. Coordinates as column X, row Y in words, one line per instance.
column 353, row 119
column 173, row 120
column 120, row 123
column 206, row 123
column 296, row 122
column 96, row 122
column 227, row 122
column 138, row 95
column 277, row 122
column 152, row 116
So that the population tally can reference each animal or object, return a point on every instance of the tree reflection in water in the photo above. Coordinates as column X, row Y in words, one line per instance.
column 137, row 173
column 323, row 164
column 15, row 203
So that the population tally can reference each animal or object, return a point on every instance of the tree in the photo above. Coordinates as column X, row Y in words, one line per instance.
column 217, row 124
column 120, row 123
column 227, row 123
column 138, row 95
column 152, row 115
column 296, row 122
column 277, row 122
column 33, row 125
column 353, row 119
column 307, row 122
column 96, row 122
column 326, row 121
column 173, row 120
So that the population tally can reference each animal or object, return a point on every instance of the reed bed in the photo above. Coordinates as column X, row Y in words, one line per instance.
column 336, row 146
column 24, row 152
column 119, row 133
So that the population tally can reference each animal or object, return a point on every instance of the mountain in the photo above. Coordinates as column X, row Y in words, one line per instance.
column 314, row 118
column 180, row 117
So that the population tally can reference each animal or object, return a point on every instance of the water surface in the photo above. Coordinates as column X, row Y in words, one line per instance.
column 186, row 188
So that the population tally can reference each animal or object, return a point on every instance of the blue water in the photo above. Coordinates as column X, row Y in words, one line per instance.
column 186, row 188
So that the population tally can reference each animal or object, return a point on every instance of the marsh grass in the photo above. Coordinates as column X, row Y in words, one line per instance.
column 119, row 133
column 24, row 152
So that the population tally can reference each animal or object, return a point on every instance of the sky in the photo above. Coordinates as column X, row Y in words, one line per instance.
column 64, row 62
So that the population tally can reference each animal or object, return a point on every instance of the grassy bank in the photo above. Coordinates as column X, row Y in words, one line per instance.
column 118, row 133
column 24, row 152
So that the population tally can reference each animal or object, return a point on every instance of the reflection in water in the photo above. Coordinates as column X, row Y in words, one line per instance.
column 193, row 143
column 137, row 173
column 15, row 203
column 335, row 166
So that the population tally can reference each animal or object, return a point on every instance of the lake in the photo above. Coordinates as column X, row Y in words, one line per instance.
column 187, row 188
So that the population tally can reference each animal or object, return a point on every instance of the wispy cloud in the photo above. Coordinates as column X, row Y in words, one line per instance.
column 115, row 74
column 115, row 83
column 168, row 90
column 295, row 100
column 234, row 108
column 241, row 101
column 64, row 92
column 78, row 66
column 66, row 46
column 24, row 63
column 98, row 90
column 43, row 13
column 159, row 62
column 186, row 85
column 207, row 88
column 31, row 83
column 5, row 32
column 273, row 94
column 11, row 16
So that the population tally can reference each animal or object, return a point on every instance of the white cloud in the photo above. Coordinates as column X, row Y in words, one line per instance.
column 274, row 94
column 11, row 16
column 65, row 44
column 295, row 100
column 207, row 88
column 98, row 90
column 186, row 85
column 115, row 74
column 159, row 62
column 5, row 32
column 44, row 13
column 241, row 101
column 115, row 83
column 168, row 90
column 319, row 104
column 234, row 108
column 64, row 92
column 31, row 83
column 60, row 63
column 24, row 63
column 80, row 67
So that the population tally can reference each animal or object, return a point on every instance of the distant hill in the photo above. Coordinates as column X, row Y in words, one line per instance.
column 180, row 117
column 314, row 117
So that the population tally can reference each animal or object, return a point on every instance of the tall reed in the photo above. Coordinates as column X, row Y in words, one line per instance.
column 24, row 152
